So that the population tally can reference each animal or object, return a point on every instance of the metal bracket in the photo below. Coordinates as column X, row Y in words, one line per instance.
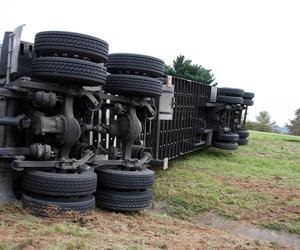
column 92, row 98
column 13, row 52
column 62, row 164
column 213, row 94
column 128, row 163
column 167, row 103
column 169, row 81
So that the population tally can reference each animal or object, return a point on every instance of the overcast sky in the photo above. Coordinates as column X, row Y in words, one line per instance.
column 253, row 44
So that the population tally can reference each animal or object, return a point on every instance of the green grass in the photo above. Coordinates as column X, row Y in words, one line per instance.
column 6, row 245
column 210, row 179
column 69, row 229
column 71, row 245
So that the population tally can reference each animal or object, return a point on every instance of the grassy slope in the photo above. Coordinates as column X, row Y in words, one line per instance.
column 259, row 183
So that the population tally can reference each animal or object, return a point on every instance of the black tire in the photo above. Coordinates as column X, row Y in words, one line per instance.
column 225, row 145
column 59, row 184
column 50, row 206
column 48, row 43
column 126, row 180
column 122, row 200
column 134, row 63
column 248, row 102
column 231, row 92
column 68, row 70
column 243, row 141
column 229, row 99
column 248, row 95
column 243, row 133
column 227, row 137
column 133, row 85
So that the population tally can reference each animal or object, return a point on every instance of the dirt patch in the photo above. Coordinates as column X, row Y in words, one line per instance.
column 276, row 190
column 282, row 208
column 107, row 230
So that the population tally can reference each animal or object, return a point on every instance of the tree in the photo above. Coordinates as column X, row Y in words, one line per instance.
column 294, row 126
column 263, row 123
column 184, row 68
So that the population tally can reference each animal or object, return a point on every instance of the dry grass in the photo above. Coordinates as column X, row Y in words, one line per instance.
column 107, row 230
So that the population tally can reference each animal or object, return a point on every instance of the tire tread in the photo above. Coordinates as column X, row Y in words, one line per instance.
column 49, row 42
column 68, row 70
column 56, row 184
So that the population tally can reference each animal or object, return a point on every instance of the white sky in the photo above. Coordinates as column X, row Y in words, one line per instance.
column 250, row 44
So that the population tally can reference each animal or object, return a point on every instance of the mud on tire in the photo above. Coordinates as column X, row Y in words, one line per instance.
column 46, row 206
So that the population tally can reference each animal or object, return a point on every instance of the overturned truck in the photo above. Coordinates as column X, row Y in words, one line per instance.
column 80, row 127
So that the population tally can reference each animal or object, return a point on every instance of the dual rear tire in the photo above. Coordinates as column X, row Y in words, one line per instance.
column 243, row 136
column 230, row 96
column 50, row 194
column 69, row 58
column 235, row 96
column 231, row 141
column 247, row 99
column 226, row 141
column 134, row 75
column 124, row 190
column 56, row 194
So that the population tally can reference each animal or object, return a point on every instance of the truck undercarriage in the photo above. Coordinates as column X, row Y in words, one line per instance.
column 80, row 127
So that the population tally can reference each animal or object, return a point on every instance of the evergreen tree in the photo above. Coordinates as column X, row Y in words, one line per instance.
column 184, row 68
